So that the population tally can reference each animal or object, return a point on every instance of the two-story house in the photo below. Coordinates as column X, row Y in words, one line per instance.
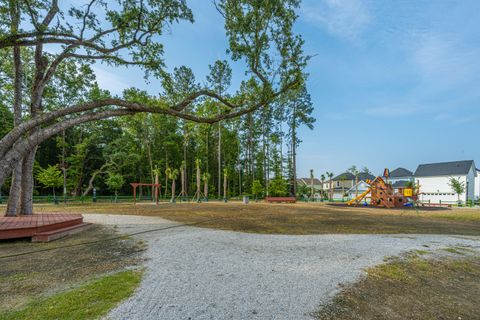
column 435, row 181
column 343, row 185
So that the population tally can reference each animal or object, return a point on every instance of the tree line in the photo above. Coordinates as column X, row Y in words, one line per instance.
column 256, row 152
column 50, row 99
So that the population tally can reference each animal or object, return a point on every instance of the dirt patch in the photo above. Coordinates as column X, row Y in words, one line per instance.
column 23, row 278
column 298, row 218
column 412, row 287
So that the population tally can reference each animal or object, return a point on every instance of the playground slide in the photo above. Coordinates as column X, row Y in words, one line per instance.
column 359, row 198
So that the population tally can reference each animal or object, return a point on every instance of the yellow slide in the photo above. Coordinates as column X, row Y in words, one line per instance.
column 359, row 198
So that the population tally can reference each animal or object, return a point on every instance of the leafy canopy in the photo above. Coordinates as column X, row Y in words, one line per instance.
column 457, row 185
column 115, row 181
column 50, row 177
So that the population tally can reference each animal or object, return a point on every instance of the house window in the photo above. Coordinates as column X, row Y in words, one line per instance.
column 338, row 183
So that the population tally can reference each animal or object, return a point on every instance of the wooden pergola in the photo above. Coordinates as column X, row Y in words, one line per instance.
column 136, row 184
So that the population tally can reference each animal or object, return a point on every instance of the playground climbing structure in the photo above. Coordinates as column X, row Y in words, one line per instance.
column 383, row 195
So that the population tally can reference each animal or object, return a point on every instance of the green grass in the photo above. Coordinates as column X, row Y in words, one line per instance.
column 412, row 286
column 90, row 301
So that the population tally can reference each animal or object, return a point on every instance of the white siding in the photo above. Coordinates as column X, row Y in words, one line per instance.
column 362, row 187
column 436, row 189
column 471, row 184
column 477, row 185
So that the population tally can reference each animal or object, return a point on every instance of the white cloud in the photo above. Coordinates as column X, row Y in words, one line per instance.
column 109, row 81
column 343, row 18
column 443, row 63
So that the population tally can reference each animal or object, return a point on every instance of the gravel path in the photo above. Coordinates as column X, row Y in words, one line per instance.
column 195, row 273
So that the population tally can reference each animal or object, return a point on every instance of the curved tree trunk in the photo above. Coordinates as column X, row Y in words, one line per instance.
column 23, row 148
column 92, row 179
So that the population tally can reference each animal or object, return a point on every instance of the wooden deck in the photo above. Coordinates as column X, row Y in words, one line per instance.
column 40, row 227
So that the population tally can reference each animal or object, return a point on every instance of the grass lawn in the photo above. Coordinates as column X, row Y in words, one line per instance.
column 416, row 286
column 90, row 301
column 300, row 218
column 34, row 276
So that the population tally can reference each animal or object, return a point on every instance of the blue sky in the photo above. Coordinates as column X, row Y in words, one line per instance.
column 394, row 83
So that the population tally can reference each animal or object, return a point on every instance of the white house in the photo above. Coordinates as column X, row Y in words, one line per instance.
column 434, row 181
column 358, row 190
column 343, row 184
column 477, row 184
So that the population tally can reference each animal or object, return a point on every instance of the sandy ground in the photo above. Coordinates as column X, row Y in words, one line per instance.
column 197, row 273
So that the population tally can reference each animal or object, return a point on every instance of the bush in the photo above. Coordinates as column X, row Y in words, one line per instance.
column 278, row 187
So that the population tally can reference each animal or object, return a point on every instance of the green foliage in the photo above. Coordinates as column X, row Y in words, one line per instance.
column 366, row 170
column 115, row 181
column 50, row 177
column 353, row 170
column 205, row 177
column 457, row 186
column 257, row 188
column 259, row 34
column 6, row 120
column 220, row 76
column 173, row 174
column 303, row 189
column 278, row 187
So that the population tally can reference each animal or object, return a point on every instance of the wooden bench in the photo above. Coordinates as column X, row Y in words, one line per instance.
column 281, row 199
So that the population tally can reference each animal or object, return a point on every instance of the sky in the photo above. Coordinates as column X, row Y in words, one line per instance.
column 394, row 83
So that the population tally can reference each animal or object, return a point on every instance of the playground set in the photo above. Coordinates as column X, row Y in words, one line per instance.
column 383, row 195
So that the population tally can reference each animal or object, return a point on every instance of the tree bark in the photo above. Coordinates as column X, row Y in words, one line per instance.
column 225, row 187
column 205, row 189
column 294, row 150
column 15, row 191
column 16, row 186
column 219, row 158
column 23, row 148
column 173, row 191
column 26, row 199
column 92, row 179
column 64, row 169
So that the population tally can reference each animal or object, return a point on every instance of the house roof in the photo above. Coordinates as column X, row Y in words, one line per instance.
column 400, row 172
column 400, row 184
column 444, row 168
column 307, row 181
column 349, row 176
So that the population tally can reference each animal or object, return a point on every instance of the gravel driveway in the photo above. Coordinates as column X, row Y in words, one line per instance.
column 195, row 273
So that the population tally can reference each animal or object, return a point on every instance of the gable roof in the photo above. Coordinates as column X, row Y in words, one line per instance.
column 400, row 172
column 349, row 176
column 444, row 168
column 306, row 181
column 344, row 176
column 400, row 184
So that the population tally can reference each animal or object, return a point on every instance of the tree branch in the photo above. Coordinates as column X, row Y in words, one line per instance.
column 23, row 147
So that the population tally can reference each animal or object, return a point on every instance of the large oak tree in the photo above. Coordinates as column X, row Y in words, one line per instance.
column 129, row 33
